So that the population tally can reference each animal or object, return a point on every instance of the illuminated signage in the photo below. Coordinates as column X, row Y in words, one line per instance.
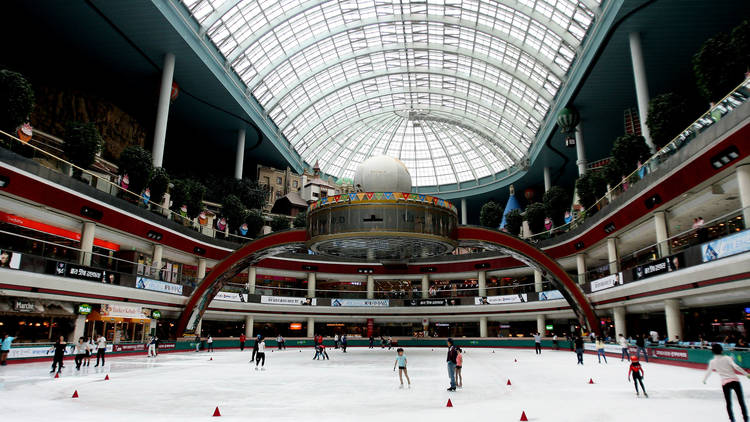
column 84, row 309
column 295, row 326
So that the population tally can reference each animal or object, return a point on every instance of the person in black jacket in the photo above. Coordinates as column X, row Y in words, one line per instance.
column 255, row 348
column 451, row 360
column 640, row 342
column 57, row 359
column 579, row 349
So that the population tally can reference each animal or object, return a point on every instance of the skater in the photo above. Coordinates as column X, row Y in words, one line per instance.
column 579, row 349
column 727, row 370
column 640, row 343
column 101, row 348
column 242, row 342
column 372, row 340
column 5, row 348
column 343, row 342
column 210, row 344
column 459, row 365
column 255, row 348
column 90, row 348
column 317, row 352
column 390, row 342
column 323, row 353
column 80, row 351
column 555, row 342
column 538, row 343
column 197, row 342
column 57, row 358
column 261, row 355
column 600, row 350
column 336, row 341
column 281, row 344
column 401, row 362
column 637, row 371
column 152, row 348
column 451, row 362
column 625, row 347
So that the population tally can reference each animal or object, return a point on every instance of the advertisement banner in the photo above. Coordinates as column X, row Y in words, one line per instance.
column 284, row 300
column 80, row 272
column 427, row 302
column 499, row 300
column 726, row 246
column 158, row 286
column 669, row 354
column 10, row 259
column 606, row 282
column 231, row 297
column 379, row 303
column 40, row 351
column 659, row 266
column 123, row 311
column 609, row 348
column 550, row 295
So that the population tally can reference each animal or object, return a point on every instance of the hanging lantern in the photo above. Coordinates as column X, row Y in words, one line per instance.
column 568, row 119
column 175, row 92
column 528, row 194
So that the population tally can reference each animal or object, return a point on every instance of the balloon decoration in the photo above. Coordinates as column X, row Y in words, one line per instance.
column 528, row 194
column 568, row 119
column 175, row 92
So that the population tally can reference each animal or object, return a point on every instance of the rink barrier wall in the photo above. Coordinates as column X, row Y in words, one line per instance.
column 694, row 358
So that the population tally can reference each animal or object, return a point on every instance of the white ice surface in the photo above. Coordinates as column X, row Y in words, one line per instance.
column 359, row 384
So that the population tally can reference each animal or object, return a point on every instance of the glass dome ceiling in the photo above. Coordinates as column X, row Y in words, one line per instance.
column 456, row 89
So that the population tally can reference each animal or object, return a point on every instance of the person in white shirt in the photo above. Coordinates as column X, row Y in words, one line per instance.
column 101, row 347
column 727, row 370
column 80, row 352
column 625, row 347
column 537, row 343
column 210, row 344
column 261, row 355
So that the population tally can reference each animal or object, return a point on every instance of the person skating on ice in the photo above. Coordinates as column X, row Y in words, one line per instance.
column 57, row 358
column 323, row 353
column 625, row 347
column 260, row 357
column 210, row 344
column 101, row 348
column 451, row 363
column 90, row 349
column 600, row 350
column 727, row 370
column 80, row 352
column 637, row 371
column 197, row 342
column 459, row 365
column 343, row 342
column 151, row 348
column 538, row 343
column 579, row 349
column 401, row 363
column 242, row 342
column 255, row 348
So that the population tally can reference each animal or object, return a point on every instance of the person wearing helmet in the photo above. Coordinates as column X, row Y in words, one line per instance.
column 637, row 371
column 727, row 370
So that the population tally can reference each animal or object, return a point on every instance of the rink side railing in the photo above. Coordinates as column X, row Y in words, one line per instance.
column 690, row 357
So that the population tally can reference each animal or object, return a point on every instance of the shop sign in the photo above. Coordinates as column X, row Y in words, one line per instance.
column 426, row 302
column 372, row 303
column 84, row 309
column 80, row 272
column 660, row 266
column 283, row 300
column 155, row 314
column 499, row 300
column 606, row 282
column 726, row 246
column 123, row 311
column 24, row 306
column 295, row 326
column 549, row 327
column 550, row 295
column 158, row 286
column 231, row 297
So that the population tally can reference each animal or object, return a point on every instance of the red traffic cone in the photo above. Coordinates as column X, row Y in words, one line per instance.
column 57, row 375
column 216, row 412
column 523, row 416
column 515, row 360
column 591, row 380
column 211, row 359
column 449, row 404
column 106, row 377
column 75, row 394
column 493, row 351
column 508, row 383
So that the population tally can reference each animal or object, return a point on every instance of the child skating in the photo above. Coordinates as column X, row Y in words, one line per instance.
column 401, row 362
column 459, row 365
column 637, row 371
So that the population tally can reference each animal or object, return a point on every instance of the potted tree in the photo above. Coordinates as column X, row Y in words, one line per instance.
column 82, row 143
column 491, row 214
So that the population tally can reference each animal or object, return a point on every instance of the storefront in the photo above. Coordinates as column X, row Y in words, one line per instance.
column 36, row 321
column 119, row 323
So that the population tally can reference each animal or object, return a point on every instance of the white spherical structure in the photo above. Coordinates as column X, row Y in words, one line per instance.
column 382, row 174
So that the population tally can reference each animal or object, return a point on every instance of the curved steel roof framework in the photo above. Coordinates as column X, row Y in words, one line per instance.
column 456, row 89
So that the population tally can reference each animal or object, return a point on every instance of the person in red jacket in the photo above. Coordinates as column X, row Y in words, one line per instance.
column 242, row 341
column 637, row 371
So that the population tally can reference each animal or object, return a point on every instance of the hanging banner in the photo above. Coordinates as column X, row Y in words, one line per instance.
column 79, row 271
column 606, row 282
column 427, row 302
column 660, row 266
column 158, row 286
column 499, row 300
column 726, row 246
column 550, row 295
column 283, row 300
column 372, row 303
column 231, row 297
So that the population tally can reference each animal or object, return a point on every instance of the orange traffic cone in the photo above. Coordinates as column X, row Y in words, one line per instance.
column 591, row 380
column 106, row 378
column 508, row 383
column 216, row 412
column 523, row 416
column 449, row 403
column 57, row 375
column 75, row 394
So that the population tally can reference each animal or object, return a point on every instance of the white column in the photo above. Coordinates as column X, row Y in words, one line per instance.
column 464, row 212
column 614, row 262
column 540, row 324
column 581, row 265
column 660, row 225
column 580, row 150
column 482, row 281
column 370, row 287
column 310, row 284
column 620, row 324
column 78, row 329
column 87, row 242
column 743, row 182
column 674, row 319
column 483, row 326
column 251, row 275
column 425, row 286
column 547, row 179
column 162, row 110
column 311, row 327
column 156, row 260
column 641, row 85
column 201, row 268
column 249, row 321
column 538, row 285
column 240, row 157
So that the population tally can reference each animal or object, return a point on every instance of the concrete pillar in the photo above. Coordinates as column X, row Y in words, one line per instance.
column 162, row 110
column 87, row 242
column 547, row 179
column 540, row 324
column 249, row 321
column 538, row 284
column 660, row 226
column 201, row 268
column 674, row 319
column 620, row 324
column 581, row 265
column 156, row 260
column 78, row 329
column 251, row 274
column 614, row 261
column 483, row 326
column 641, row 85
column 580, row 150
column 425, row 286
column 370, row 287
column 240, row 156
column 310, row 327
column 743, row 182
column 464, row 212
column 310, row 284
column 482, row 281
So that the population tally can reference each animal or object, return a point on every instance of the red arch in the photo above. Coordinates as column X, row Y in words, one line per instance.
column 275, row 243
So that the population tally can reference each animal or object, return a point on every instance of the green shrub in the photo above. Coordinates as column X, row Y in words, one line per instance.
column 491, row 215
column 556, row 200
column 279, row 223
column 252, row 195
column 135, row 161
column 535, row 215
column 513, row 222
column 255, row 222
column 16, row 100
column 740, row 39
column 627, row 151
column 716, row 67
column 234, row 211
column 188, row 192
column 300, row 220
column 668, row 115
column 82, row 143
column 159, row 184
